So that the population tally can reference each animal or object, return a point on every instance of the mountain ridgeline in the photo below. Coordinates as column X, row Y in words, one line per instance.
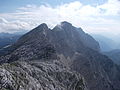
column 62, row 58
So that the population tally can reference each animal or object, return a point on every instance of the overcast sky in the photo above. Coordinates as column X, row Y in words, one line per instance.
column 94, row 16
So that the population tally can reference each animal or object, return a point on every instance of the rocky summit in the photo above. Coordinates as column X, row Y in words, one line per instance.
column 62, row 58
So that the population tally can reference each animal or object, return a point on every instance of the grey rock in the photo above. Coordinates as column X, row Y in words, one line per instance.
column 39, row 76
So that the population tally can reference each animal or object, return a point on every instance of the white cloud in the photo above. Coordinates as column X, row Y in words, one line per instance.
column 13, row 26
column 91, row 18
column 112, row 7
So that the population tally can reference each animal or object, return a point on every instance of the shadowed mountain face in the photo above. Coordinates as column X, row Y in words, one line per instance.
column 71, row 47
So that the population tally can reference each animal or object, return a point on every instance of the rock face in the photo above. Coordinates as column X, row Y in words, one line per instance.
column 99, row 71
column 74, row 49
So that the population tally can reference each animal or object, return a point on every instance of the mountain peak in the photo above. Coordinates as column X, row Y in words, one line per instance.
column 63, row 26
column 42, row 26
column 66, row 23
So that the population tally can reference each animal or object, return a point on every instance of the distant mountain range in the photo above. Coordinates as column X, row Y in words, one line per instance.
column 62, row 58
column 114, row 55
column 106, row 43
column 8, row 39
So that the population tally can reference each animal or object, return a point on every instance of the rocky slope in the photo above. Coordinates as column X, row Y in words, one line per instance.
column 71, row 46
column 39, row 76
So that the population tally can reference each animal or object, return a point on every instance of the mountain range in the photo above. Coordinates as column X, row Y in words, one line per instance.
column 114, row 55
column 62, row 58
column 8, row 39
column 106, row 42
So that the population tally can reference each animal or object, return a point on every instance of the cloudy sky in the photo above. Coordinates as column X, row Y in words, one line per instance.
column 94, row 16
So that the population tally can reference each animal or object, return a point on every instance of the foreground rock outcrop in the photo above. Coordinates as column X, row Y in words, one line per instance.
column 39, row 76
